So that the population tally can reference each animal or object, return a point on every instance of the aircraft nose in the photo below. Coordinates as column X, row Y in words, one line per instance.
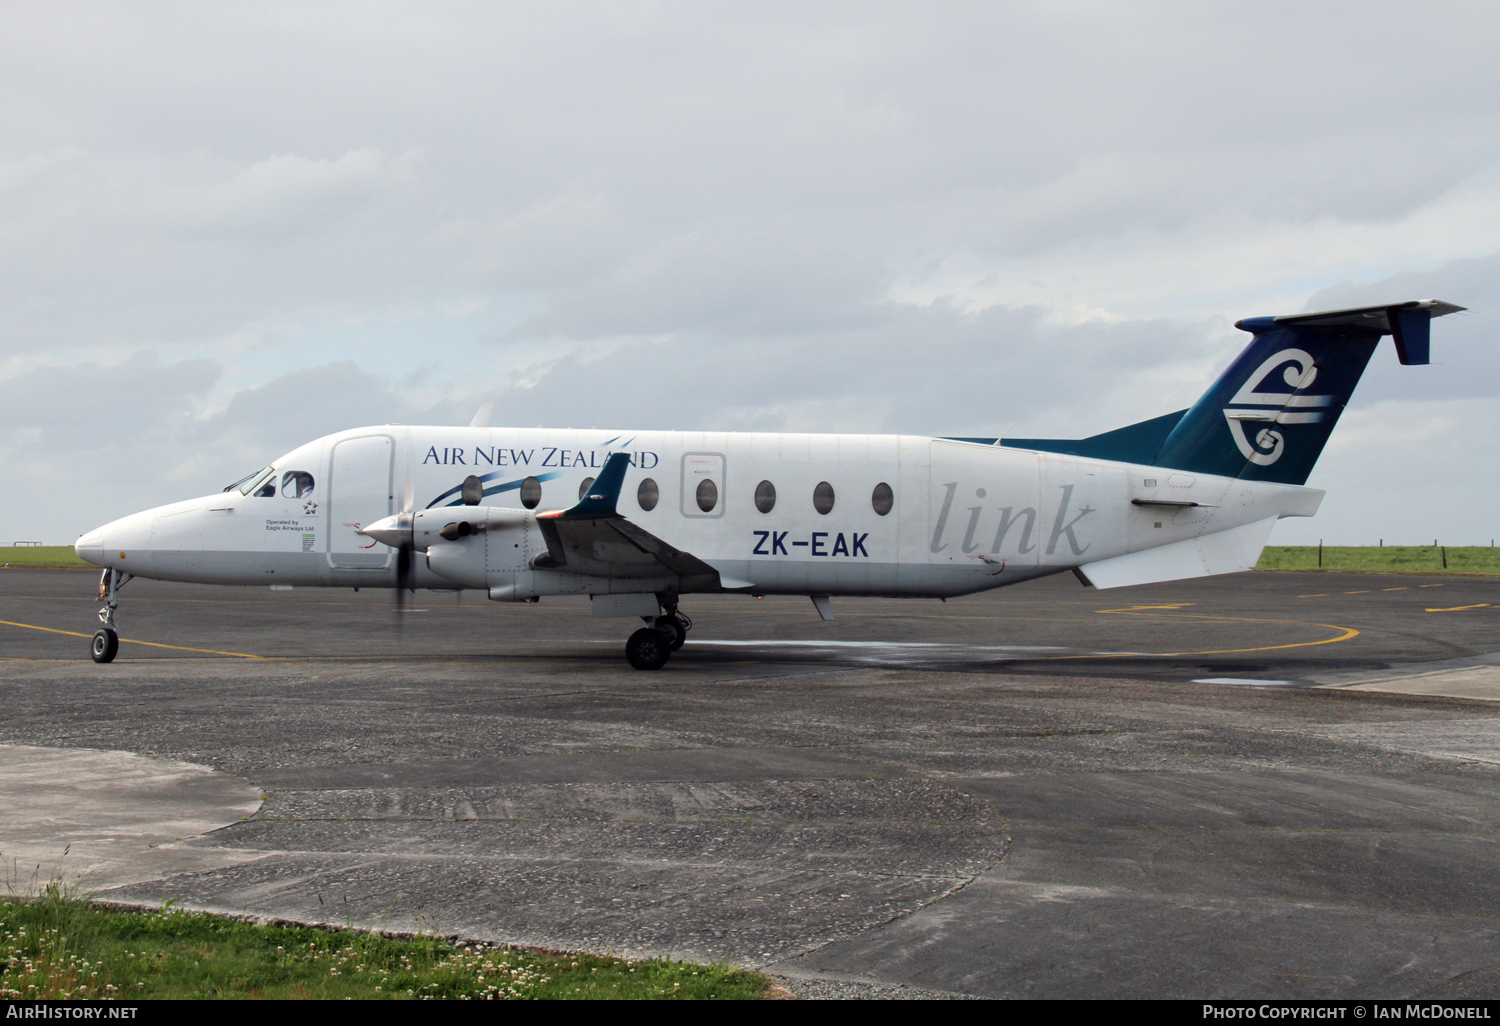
column 122, row 544
column 90, row 546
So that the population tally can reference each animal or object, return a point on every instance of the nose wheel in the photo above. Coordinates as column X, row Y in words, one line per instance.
column 106, row 641
column 106, row 644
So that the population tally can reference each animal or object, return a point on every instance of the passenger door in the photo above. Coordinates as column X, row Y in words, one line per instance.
column 359, row 494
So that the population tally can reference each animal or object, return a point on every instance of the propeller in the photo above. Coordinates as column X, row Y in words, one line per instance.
column 396, row 531
column 404, row 546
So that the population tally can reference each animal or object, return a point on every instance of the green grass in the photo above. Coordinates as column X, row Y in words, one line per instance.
column 57, row 948
column 1396, row 559
column 40, row 555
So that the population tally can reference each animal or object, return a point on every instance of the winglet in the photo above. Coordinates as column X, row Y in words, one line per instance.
column 482, row 417
column 604, row 493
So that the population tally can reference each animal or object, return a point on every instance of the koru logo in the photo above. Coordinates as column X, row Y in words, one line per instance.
column 1250, row 407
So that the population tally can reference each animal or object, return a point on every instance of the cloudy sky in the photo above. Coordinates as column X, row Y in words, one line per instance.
column 228, row 228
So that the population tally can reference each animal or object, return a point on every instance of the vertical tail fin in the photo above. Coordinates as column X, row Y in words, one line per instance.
column 1269, row 415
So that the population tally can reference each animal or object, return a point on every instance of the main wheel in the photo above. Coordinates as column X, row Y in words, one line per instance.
column 648, row 649
column 106, row 644
column 673, row 630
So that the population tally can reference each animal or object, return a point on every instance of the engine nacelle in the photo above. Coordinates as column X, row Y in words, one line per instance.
column 505, row 552
column 477, row 546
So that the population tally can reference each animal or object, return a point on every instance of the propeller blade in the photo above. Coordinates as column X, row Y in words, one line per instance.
column 403, row 574
column 403, row 544
column 396, row 531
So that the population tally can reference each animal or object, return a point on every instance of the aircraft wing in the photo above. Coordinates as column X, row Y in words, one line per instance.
column 593, row 538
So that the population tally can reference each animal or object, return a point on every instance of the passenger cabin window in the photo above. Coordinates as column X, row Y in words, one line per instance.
column 295, row 484
column 882, row 499
column 765, row 496
column 531, row 492
column 583, row 488
column 823, row 498
column 708, row 495
column 702, row 489
column 648, row 494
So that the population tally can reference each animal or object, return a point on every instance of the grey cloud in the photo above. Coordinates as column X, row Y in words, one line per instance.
column 248, row 157
column 920, row 370
column 281, row 200
column 83, row 445
column 77, row 407
column 302, row 405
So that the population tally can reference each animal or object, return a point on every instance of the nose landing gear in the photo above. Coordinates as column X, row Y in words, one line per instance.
column 106, row 641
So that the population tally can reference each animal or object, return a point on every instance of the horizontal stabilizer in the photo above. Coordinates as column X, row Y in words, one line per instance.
column 1380, row 318
column 1226, row 552
column 1408, row 323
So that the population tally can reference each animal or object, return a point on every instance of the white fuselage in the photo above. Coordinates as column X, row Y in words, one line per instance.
column 962, row 518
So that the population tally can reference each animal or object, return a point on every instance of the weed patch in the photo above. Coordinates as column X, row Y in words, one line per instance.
column 54, row 947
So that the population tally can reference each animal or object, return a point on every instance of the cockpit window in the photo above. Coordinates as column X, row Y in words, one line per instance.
column 267, row 490
column 255, row 480
column 295, row 484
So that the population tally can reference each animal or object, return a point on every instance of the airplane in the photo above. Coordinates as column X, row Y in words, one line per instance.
column 638, row 520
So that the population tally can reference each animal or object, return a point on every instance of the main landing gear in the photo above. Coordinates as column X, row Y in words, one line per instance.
column 650, row 647
column 106, row 641
column 675, row 626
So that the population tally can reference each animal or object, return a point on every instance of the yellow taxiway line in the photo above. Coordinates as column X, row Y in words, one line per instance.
column 1345, row 634
column 132, row 641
